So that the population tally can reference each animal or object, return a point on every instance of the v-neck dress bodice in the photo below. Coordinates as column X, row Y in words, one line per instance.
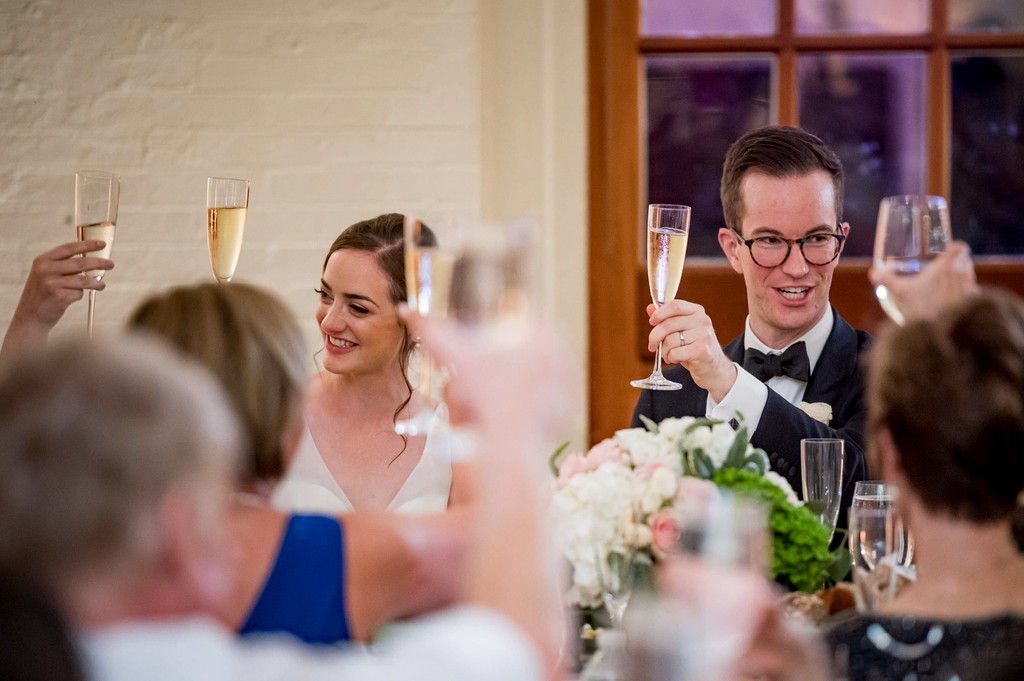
column 309, row 486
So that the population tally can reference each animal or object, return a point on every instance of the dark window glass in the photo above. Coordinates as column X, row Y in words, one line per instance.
column 861, row 17
column 986, row 16
column 692, row 18
column 987, row 172
column 871, row 110
column 696, row 107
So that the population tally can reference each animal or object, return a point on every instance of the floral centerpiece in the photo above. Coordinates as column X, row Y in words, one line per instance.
column 645, row 474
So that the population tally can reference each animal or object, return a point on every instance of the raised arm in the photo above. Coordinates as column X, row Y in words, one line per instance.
column 55, row 281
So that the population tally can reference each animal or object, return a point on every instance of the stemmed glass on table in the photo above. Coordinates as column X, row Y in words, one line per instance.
column 227, row 204
column 96, row 202
column 668, row 229
column 911, row 231
column 881, row 547
column 821, row 471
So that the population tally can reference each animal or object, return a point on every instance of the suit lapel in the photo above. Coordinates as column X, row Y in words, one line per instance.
column 833, row 368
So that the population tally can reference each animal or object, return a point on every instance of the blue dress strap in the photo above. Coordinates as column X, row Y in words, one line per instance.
column 304, row 594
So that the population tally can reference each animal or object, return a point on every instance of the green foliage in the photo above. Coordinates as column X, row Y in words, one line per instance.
column 800, row 555
column 555, row 460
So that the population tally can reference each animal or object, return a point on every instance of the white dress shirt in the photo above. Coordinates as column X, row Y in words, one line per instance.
column 749, row 395
column 460, row 644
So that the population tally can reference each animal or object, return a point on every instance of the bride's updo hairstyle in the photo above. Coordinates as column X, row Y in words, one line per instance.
column 951, row 393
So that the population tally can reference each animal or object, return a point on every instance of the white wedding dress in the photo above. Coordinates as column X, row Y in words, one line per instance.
column 309, row 487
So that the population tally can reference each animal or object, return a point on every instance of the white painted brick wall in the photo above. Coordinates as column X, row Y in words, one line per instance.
column 336, row 110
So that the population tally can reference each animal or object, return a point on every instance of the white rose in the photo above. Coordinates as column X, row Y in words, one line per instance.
column 664, row 482
column 783, row 484
column 674, row 428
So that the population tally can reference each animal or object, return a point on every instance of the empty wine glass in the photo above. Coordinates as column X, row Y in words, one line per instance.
column 821, row 471
column 668, row 229
column 911, row 231
column 96, row 202
column 881, row 548
column 227, row 203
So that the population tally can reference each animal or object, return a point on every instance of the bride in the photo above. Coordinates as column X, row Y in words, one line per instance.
column 349, row 456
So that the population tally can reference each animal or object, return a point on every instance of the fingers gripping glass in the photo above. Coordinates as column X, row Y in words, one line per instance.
column 772, row 251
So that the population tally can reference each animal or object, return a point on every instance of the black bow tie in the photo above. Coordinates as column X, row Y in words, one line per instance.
column 793, row 363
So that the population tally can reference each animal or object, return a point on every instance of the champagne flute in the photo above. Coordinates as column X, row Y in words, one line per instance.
column 821, row 471
column 96, row 201
column 227, row 203
column 428, row 277
column 668, row 229
column 911, row 231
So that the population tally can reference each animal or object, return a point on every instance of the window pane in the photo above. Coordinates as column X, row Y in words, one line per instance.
column 983, row 16
column 869, row 108
column 696, row 107
column 691, row 18
column 826, row 17
column 987, row 190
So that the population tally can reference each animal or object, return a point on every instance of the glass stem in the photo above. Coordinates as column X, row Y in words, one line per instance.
column 92, row 307
column 657, row 362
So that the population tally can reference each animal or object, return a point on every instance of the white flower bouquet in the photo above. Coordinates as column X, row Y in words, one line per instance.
column 621, row 497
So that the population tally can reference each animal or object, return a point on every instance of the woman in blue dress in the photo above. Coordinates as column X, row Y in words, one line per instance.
column 321, row 578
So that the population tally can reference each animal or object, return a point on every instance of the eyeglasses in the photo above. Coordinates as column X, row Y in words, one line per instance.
column 772, row 251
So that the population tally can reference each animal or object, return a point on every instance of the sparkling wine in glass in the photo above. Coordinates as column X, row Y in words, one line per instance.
column 428, row 279
column 668, row 229
column 881, row 547
column 96, row 201
column 227, row 203
column 912, row 230
column 821, row 470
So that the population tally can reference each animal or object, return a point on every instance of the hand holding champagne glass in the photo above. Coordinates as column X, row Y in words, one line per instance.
column 227, row 203
column 668, row 229
column 96, row 201
column 912, row 230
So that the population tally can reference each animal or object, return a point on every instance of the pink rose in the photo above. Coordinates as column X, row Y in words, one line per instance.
column 696, row 492
column 647, row 470
column 574, row 464
column 664, row 531
column 604, row 451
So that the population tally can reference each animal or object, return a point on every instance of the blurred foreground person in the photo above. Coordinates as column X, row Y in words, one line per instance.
column 117, row 459
column 36, row 643
column 947, row 427
column 321, row 578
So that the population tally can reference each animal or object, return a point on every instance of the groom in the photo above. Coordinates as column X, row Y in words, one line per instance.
column 782, row 193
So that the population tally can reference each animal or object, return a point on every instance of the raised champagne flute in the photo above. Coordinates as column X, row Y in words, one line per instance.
column 912, row 230
column 227, row 203
column 428, row 275
column 96, row 199
column 668, row 229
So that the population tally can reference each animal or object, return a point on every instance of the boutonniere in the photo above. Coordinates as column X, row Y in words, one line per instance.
column 819, row 411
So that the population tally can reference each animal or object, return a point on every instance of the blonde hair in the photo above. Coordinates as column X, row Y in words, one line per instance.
column 249, row 340
column 93, row 437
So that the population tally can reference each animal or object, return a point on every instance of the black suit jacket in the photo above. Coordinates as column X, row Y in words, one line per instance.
column 838, row 380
